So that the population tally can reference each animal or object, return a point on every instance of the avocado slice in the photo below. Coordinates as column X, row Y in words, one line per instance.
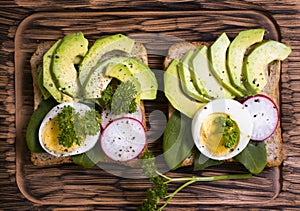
column 122, row 73
column 187, row 80
column 119, row 71
column 40, row 82
column 217, row 56
column 97, row 82
column 202, row 75
column 236, row 53
column 67, row 54
column 139, row 73
column 256, row 63
column 144, row 76
column 175, row 95
column 101, row 47
column 48, row 82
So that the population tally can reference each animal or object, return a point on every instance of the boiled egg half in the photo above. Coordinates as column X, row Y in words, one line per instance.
column 222, row 129
column 49, row 131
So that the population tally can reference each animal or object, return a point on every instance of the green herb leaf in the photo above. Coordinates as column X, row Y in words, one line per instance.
column 159, row 189
column 201, row 162
column 148, row 164
column 177, row 140
column 107, row 95
column 124, row 98
column 119, row 98
column 160, row 182
column 89, row 158
column 35, row 121
column 254, row 157
column 229, row 130
column 65, row 122
column 74, row 128
column 89, row 123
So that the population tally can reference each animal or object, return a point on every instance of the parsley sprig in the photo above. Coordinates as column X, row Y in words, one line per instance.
column 159, row 191
column 74, row 127
column 119, row 97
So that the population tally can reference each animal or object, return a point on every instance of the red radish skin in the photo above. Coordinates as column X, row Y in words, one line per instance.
column 123, row 139
column 107, row 117
column 265, row 116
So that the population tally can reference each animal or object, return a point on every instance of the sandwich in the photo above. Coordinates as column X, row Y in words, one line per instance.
column 245, row 70
column 103, row 84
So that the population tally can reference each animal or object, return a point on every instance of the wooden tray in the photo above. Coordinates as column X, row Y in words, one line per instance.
column 73, row 185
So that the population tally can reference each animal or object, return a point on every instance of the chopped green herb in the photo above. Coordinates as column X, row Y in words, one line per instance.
column 74, row 127
column 124, row 98
column 107, row 95
column 229, row 129
column 65, row 122
column 89, row 122
column 119, row 98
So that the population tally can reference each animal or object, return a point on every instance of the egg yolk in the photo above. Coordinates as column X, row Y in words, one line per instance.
column 50, row 133
column 219, row 134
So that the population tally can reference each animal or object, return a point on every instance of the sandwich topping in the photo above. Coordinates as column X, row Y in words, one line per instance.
column 220, row 134
column 222, row 129
column 69, row 129
column 207, row 86
column 85, row 82
column 226, row 70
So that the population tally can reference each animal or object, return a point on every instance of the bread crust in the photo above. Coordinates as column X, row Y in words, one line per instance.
column 36, row 62
column 273, row 143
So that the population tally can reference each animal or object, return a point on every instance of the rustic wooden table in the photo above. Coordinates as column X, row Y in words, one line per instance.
column 285, row 15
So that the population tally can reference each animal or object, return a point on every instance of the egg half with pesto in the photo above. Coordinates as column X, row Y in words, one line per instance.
column 69, row 128
column 222, row 129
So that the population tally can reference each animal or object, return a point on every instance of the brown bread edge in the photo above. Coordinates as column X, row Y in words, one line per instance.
column 272, row 89
column 36, row 61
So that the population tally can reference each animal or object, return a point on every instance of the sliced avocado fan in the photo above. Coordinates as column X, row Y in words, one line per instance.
column 217, row 56
column 255, row 64
column 98, row 49
column 68, row 53
column 175, row 95
column 184, row 70
column 236, row 52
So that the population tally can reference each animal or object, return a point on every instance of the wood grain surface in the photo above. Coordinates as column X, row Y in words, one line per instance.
column 283, row 15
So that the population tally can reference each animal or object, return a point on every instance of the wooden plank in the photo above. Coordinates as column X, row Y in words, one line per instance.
column 284, row 12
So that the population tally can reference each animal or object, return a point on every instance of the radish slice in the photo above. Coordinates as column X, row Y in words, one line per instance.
column 123, row 139
column 265, row 116
column 107, row 117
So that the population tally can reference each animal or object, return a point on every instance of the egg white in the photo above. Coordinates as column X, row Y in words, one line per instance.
column 236, row 111
column 90, row 140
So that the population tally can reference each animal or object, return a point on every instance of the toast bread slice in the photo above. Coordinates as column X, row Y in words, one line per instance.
column 272, row 89
column 36, row 62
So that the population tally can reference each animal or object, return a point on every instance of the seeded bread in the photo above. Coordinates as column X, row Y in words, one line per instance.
column 36, row 61
column 274, row 143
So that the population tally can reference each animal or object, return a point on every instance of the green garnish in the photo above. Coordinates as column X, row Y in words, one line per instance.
column 119, row 98
column 107, row 95
column 89, row 123
column 159, row 191
column 229, row 129
column 74, row 127
column 124, row 98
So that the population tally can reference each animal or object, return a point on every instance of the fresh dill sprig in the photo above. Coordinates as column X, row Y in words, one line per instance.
column 159, row 191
